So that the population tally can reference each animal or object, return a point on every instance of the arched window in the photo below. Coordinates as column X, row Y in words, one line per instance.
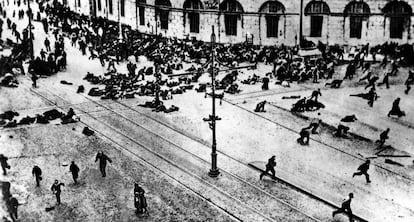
column 141, row 11
column 273, row 10
column 400, row 14
column 194, row 16
column 316, row 9
column 232, row 10
column 357, row 12
column 163, row 12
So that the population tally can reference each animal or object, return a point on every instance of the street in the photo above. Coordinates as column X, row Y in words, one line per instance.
column 169, row 154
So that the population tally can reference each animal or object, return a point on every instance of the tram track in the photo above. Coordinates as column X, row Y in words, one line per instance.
column 265, row 217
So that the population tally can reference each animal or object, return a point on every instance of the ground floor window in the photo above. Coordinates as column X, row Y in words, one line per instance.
column 355, row 27
column 272, row 23
column 396, row 27
column 164, row 19
column 194, row 22
column 122, row 7
column 231, row 24
column 316, row 26
column 110, row 6
column 141, row 15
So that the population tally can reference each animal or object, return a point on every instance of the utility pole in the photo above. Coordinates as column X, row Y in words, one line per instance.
column 157, row 76
column 301, row 24
column 30, row 30
column 214, row 171
column 119, row 20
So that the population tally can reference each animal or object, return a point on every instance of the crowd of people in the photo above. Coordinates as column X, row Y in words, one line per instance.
column 99, row 39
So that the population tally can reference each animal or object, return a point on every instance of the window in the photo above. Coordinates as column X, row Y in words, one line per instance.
column 141, row 11
column 396, row 27
column 79, row 3
column 355, row 27
column 194, row 22
column 141, row 15
column 400, row 14
column 164, row 19
column 231, row 24
column 193, row 16
column 99, row 5
column 162, row 13
column 357, row 12
column 110, row 6
column 122, row 7
column 272, row 23
column 273, row 10
column 316, row 26
column 232, row 10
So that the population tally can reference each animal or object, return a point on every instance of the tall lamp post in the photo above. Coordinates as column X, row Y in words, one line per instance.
column 30, row 31
column 214, row 171
column 119, row 20
column 301, row 23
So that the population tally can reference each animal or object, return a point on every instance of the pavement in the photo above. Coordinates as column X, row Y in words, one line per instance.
column 169, row 154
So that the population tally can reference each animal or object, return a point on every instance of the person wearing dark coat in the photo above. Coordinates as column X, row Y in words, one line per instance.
column 383, row 137
column 13, row 204
column 345, row 208
column 34, row 80
column 265, row 85
column 409, row 81
column 363, row 170
column 316, row 94
column 57, row 190
column 385, row 80
column 260, row 106
column 47, row 44
column 4, row 164
column 395, row 110
column 37, row 173
column 74, row 169
column 102, row 162
column 140, row 202
column 304, row 135
column 270, row 167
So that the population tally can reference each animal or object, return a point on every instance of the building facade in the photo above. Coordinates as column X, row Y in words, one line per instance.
column 266, row 22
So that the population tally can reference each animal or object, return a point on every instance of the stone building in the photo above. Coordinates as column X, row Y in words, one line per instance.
column 266, row 22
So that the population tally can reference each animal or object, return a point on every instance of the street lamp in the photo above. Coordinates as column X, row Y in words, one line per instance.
column 119, row 20
column 214, row 171
column 30, row 31
column 301, row 23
